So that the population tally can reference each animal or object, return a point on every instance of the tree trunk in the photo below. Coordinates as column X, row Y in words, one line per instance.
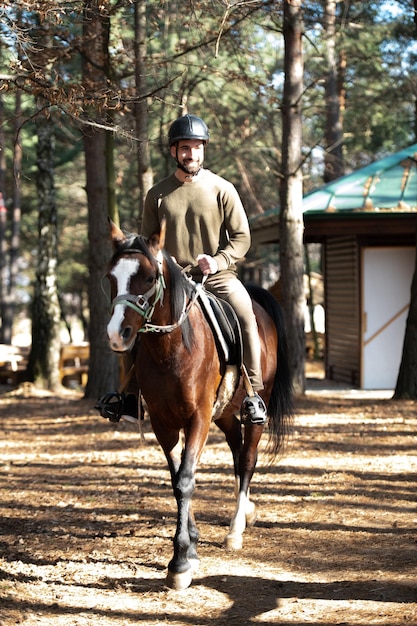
column 103, row 371
column 112, row 207
column 333, row 160
column 291, row 193
column 406, row 387
column 9, row 303
column 43, row 364
column 415, row 100
column 3, row 268
column 3, row 227
column 103, row 366
column 9, row 254
column 145, row 173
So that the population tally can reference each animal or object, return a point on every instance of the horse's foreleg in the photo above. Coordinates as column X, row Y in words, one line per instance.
column 185, row 559
column 194, row 536
column 245, row 513
column 182, row 479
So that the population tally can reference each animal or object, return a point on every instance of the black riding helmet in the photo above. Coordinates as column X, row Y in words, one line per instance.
column 188, row 127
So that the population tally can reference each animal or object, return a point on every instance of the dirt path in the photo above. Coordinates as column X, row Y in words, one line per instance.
column 87, row 517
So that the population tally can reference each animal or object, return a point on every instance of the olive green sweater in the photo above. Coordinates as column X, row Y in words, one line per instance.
column 205, row 216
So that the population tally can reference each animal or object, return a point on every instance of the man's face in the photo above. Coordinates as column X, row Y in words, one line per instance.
column 190, row 154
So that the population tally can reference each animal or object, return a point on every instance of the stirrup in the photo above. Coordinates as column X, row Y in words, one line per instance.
column 110, row 406
column 253, row 410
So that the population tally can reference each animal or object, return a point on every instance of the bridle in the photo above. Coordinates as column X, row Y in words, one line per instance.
column 141, row 304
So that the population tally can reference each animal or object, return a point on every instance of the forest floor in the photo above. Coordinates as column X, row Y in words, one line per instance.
column 87, row 518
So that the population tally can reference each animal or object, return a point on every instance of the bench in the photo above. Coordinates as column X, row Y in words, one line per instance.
column 13, row 363
column 73, row 363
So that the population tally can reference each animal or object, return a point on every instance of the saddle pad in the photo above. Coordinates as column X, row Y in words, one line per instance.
column 225, row 326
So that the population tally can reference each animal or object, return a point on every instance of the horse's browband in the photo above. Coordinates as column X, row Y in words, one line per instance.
column 133, row 251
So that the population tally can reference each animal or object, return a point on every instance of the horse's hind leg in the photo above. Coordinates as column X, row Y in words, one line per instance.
column 245, row 513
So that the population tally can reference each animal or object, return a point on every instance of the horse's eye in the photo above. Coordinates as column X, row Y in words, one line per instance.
column 150, row 280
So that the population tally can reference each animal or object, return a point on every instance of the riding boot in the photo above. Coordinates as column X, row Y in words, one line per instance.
column 253, row 410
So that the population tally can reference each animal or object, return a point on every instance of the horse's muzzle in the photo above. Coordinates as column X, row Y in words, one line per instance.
column 121, row 341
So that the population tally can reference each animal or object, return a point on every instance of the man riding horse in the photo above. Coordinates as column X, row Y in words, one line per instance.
column 206, row 229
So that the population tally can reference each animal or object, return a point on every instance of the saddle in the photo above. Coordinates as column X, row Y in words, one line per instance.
column 225, row 326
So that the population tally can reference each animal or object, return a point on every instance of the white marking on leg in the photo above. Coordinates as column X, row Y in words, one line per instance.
column 244, row 515
column 234, row 539
column 250, row 512
column 122, row 272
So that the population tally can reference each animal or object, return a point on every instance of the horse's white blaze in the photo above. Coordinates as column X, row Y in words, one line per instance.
column 122, row 272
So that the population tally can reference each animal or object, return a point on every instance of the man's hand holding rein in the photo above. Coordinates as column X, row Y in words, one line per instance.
column 207, row 264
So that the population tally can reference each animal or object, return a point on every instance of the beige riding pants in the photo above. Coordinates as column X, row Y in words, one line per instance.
column 227, row 286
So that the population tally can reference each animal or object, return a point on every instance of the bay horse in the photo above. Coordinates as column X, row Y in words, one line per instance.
column 186, row 384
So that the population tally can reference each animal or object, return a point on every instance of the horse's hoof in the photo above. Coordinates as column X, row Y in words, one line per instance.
column 233, row 542
column 179, row 580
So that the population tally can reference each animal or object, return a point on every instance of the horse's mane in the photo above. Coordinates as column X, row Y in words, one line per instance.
column 179, row 286
column 178, row 283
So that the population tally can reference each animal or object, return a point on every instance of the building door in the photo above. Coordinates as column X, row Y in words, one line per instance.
column 386, row 283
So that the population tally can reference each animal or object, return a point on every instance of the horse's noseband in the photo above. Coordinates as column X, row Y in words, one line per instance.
column 139, row 303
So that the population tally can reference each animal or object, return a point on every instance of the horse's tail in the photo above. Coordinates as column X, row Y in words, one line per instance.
column 280, row 407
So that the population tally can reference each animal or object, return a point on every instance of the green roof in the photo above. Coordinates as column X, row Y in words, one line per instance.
column 389, row 184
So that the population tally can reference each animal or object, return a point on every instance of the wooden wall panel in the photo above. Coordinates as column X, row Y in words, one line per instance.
column 342, row 354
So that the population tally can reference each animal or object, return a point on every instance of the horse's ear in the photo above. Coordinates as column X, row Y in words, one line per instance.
column 157, row 240
column 162, row 234
column 116, row 234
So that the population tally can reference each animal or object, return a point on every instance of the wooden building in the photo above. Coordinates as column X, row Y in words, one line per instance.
column 367, row 223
